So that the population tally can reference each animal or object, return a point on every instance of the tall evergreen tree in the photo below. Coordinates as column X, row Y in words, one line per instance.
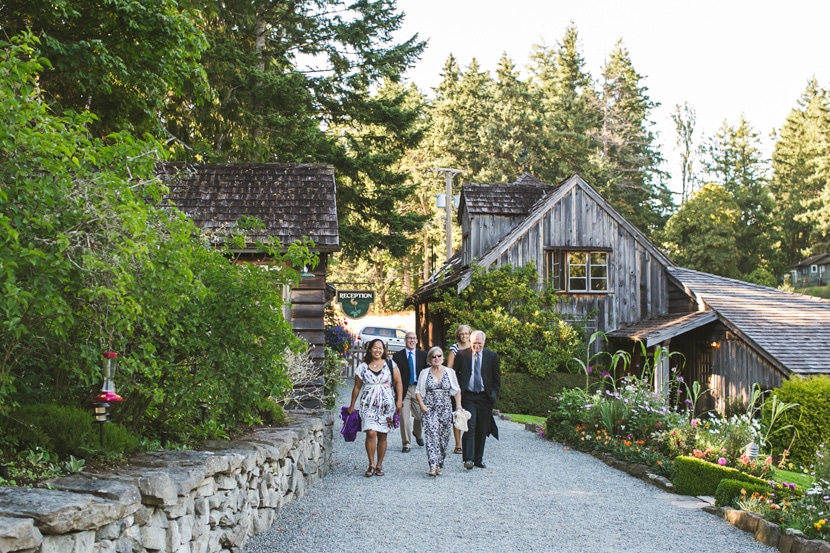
column 570, row 109
column 118, row 59
column 509, row 138
column 733, row 159
column 632, row 180
column 801, row 170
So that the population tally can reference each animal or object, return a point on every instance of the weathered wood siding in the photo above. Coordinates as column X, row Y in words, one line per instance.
column 637, row 283
column 308, row 302
column 485, row 230
column 735, row 368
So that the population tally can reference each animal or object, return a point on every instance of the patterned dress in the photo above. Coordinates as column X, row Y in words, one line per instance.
column 437, row 421
column 377, row 399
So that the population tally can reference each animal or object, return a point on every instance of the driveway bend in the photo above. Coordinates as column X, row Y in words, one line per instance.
column 534, row 495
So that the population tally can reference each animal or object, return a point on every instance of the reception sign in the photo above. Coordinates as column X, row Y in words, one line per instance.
column 355, row 303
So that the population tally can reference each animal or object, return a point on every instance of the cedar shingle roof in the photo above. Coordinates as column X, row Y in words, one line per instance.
column 790, row 328
column 658, row 329
column 515, row 198
column 292, row 200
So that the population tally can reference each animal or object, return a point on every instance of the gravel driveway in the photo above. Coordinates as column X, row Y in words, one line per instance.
column 534, row 495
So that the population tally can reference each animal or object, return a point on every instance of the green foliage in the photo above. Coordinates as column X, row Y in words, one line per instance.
column 71, row 431
column 105, row 56
column 810, row 422
column 801, row 173
column 702, row 234
column 531, row 395
column 271, row 412
column 521, row 321
column 729, row 491
column 90, row 263
column 692, row 476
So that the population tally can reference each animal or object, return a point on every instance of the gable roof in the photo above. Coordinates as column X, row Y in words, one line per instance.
column 292, row 200
column 818, row 259
column 788, row 329
column 515, row 198
column 542, row 206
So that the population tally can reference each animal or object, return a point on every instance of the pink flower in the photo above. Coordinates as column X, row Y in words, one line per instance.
column 695, row 422
column 721, row 461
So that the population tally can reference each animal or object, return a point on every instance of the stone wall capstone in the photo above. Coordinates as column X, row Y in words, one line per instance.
column 173, row 501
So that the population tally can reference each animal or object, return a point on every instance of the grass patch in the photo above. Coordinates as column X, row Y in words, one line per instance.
column 800, row 479
column 818, row 291
column 524, row 419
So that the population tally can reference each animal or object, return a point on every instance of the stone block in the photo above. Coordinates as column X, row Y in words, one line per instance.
column 207, row 488
column 185, row 525
column 104, row 546
column 142, row 516
column 153, row 538
column 75, row 542
column 109, row 531
column 224, row 482
column 17, row 534
column 57, row 512
column 768, row 533
column 262, row 521
column 173, row 537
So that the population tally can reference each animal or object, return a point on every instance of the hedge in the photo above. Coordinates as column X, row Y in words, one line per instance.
column 812, row 420
column 729, row 490
column 524, row 394
column 691, row 476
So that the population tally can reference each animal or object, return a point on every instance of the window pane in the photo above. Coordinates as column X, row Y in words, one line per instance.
column 599, row 271
column 578, row 272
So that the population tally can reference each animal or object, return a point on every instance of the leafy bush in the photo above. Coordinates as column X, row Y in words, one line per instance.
column 71, row 431
column 271, row 412
column 692, row 476
column 526, row 394
column 522, row 322
column 811, row 421
column 729, row 491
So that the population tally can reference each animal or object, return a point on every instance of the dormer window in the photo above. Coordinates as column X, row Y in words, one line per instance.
column 577, row 271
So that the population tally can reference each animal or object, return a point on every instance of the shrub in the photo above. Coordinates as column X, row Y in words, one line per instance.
column 525, row 394
column 692, row 476
column 523, row 323
column 271, row 412
column 729, row 490
column 811, row 421
column 70, row 431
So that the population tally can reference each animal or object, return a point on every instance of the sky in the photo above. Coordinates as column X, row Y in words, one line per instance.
column 725, row 58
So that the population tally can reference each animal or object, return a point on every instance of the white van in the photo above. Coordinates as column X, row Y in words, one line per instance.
column 395, row 338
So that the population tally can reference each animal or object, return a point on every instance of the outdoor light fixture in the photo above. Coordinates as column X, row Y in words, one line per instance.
column 203, row 410
column 305, row 273
column 101, row 409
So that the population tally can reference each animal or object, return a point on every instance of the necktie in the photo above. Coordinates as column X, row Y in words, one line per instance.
column 477, row 386
column 411, row 369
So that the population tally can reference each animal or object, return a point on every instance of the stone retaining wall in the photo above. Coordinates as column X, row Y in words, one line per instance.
column 173, row 501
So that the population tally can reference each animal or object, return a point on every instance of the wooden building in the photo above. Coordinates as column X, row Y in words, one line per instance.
column 293, row 201
column 613, row 279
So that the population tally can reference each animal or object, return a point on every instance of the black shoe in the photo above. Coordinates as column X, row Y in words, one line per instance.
column 481, row 465
column 405, row 449
column 420, row 441
column 468, row 465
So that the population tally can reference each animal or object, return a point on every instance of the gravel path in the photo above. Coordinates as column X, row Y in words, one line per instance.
column 534, row 495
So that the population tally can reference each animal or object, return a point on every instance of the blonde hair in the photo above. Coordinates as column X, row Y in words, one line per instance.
column 460, row 329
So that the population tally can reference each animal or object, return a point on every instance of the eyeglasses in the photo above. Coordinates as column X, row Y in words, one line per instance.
column 437, row 356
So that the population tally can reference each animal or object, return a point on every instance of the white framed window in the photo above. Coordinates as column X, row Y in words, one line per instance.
column 577, row 271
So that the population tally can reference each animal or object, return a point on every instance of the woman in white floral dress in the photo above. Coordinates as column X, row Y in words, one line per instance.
column 436, row 385
column 375, row 378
